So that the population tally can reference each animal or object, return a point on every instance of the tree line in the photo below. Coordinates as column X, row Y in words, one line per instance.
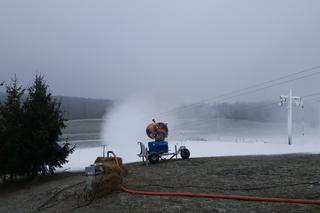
column 79, row 108
column 83, row 108
column 29, row 131
column 264, row 111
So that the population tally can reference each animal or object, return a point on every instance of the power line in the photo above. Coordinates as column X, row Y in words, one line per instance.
column 314, row 99
column 251, row 91
column 263, row 83
column 311, row 95
column 273, row 85
column 196, row 123
column 255, row 108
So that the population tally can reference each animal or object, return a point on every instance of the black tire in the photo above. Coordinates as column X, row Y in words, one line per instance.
column 153, row 158
column 185, row 153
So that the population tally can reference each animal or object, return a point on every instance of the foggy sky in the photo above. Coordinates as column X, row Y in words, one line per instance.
column 185, row 50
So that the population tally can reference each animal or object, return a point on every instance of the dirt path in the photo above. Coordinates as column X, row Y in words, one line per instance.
column 287, row 176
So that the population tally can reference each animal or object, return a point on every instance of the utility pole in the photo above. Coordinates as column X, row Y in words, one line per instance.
column 104, row 150
column 290, row 100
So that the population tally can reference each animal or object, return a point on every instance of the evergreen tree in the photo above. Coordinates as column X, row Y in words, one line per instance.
column 11, row 127
column 43, row 123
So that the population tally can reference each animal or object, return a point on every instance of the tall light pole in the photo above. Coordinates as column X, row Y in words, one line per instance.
column 290, row 100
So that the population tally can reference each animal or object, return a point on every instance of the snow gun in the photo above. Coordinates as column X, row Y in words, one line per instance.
column 158, row 149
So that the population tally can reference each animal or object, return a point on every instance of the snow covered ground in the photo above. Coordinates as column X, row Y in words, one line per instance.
column 123, row 126
column 223, row 146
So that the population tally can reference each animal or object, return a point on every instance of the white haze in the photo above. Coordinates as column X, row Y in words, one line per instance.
column 125, row 125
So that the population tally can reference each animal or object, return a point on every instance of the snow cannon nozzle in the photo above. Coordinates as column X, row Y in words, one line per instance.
column 157, row 130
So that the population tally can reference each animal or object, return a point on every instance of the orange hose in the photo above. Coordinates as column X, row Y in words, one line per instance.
column 221, row 196
column 218, row 196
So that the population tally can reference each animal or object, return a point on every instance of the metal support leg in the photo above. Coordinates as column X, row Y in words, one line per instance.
column 176, row 151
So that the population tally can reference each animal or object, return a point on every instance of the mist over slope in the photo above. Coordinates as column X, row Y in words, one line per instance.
column 263, row 111
column 79, row 108
column 83, row 108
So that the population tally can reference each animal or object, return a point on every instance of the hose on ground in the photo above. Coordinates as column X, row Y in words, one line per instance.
column 217, row 196
column 222, row 196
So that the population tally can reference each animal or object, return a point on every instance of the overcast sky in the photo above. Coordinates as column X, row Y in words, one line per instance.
column 185, row 50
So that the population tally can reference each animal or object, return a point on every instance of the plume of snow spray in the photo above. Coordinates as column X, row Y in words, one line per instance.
column 125, row 125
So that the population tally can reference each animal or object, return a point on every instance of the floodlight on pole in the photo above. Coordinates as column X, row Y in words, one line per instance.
column 290, row 100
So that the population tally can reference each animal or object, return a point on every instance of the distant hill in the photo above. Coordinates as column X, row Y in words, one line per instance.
column 83, row 108
column 264, row 111
column 80, row 108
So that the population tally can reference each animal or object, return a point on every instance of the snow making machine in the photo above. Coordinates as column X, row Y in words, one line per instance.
column 158, row 149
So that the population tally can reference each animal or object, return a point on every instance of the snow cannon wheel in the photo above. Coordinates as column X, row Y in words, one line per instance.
column 153, row 158
column 185, row 153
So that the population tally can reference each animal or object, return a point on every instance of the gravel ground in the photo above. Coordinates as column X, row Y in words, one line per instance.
column 283, row 176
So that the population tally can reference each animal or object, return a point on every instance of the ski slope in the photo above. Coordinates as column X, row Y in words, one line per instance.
column 238, row 146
